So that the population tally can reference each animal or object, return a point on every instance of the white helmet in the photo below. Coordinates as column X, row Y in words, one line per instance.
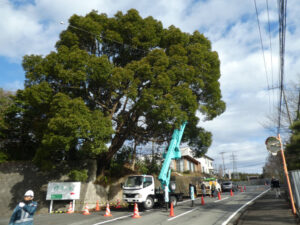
column 29, row 193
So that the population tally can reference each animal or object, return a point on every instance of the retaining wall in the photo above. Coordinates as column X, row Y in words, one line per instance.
column 18, row 177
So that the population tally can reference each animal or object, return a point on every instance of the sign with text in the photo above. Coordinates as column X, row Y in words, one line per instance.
column 63, row 191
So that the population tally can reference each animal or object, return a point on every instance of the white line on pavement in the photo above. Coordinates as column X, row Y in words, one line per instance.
column 221, row 199
column 225, row 222
column 187, row 201
column 183, row 214
column 107, row 221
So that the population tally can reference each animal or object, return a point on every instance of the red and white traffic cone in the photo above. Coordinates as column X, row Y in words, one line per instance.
column 107, row 211
column 219, row 196
column 97, row 206
column 136, row 212
column 86, row 210
column 231, row 193
column 70, row 209
column 202, row 200
column 171, row 210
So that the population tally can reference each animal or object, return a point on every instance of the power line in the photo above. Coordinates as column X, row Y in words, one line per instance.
column 262, row 48
column 282, row 30
column 271, row 52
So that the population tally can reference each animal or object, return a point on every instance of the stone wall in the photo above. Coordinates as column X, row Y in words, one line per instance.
column 18, row 177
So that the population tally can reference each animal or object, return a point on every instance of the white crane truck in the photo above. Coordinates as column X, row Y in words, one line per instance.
column 145, row 190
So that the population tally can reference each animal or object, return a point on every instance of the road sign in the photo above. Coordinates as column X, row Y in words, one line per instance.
column 63, row 191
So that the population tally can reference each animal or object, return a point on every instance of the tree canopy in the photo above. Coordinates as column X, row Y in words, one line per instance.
column 111, row 80
column 293, row 147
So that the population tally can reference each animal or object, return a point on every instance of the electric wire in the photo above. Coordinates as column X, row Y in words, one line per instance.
column 263, row 53
column 271, row 55
column 282, row 30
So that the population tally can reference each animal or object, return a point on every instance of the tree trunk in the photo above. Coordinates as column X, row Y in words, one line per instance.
column 133, row 157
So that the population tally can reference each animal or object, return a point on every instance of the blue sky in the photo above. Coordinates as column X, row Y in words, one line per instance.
column 33, row 27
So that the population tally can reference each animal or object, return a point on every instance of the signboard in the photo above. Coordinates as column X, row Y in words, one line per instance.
column 63, row 191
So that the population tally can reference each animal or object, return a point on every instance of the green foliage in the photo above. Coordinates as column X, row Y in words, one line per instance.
column 78, row 175
column 6, row 99
column 142, row 168
column 125, row 75
column 3, row 157
column 293, row 147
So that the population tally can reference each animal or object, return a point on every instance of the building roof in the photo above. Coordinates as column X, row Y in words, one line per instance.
column 208, row 157
column 191, row 159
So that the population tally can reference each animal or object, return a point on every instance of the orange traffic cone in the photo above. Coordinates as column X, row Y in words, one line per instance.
column 231, row 193
column 136, row 211
column 219, row 196
column 86, row 210
column 171, row 210
column 202, row 200
column 70, row 209
column 244, row 188
column 107, row 212
column 118, row 204
column 97, row 206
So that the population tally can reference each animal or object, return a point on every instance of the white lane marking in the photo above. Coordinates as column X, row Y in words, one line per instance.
column 225, row 222
column 107, row 221
column 221, row 199
column 183, row 214
column 187, row 201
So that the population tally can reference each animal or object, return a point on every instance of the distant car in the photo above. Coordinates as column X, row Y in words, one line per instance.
column 229, row 185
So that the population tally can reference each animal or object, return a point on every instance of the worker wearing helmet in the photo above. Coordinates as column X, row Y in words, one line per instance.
column 24, row 211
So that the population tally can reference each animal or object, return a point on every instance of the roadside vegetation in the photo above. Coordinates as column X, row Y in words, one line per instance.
column 110, row 81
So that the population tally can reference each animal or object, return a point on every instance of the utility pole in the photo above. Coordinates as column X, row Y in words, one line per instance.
column 234, row 167
column 222, row 153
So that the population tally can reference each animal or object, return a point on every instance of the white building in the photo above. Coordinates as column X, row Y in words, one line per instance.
column 206, row 164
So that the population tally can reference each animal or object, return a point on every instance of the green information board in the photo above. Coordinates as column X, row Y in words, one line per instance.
column 56, row 197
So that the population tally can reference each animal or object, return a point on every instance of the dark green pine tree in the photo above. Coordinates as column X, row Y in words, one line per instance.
column 293, row 147
column 125, row 75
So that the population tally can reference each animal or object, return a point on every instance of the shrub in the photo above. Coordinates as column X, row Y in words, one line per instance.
column 78, row 175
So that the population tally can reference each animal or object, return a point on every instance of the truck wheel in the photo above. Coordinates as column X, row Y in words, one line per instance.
column 148, row 204
column 173, row 200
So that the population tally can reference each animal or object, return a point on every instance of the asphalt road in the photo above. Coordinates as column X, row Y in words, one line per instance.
column 213, row 212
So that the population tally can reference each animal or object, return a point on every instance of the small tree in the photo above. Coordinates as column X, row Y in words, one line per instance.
column 293, row 147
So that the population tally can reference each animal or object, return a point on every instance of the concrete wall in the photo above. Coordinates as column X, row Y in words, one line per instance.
column 18, row 177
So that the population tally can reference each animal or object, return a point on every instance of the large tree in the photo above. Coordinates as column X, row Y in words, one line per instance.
column 129, row 70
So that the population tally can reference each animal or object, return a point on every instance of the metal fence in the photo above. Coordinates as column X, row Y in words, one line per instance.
column 295, row 183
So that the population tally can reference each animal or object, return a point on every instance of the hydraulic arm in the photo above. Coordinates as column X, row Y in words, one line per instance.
column 172, row 153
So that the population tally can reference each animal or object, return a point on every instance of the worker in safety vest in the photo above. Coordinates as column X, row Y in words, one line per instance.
column 24, row 211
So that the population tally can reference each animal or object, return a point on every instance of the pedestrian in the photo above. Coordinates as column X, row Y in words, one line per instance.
column 203, row 189
column 276, row 187
column 24, row 211
column 213, row 188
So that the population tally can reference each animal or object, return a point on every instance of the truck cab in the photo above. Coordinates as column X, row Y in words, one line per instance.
column 139, row 189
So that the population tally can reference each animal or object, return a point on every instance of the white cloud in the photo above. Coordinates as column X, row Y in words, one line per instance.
column 13, row 86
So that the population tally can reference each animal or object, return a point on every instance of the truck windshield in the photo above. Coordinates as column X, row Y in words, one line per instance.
column 134, row 181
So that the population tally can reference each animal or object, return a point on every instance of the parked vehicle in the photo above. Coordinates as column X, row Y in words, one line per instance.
column 229, row 185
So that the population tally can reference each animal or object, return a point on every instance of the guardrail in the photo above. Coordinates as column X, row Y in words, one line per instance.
column 295, row 183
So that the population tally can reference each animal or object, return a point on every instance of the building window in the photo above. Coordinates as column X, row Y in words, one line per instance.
column 192, row 167
column 179, row 165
